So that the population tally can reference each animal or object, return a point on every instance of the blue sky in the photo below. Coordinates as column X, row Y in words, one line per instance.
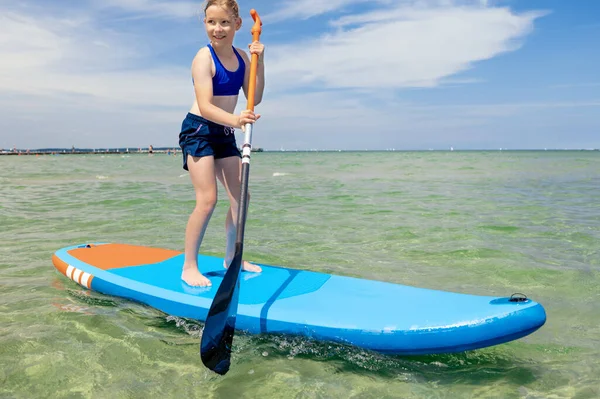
column 341, row 74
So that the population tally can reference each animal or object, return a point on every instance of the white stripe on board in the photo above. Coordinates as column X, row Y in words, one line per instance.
column 76, row 275
column 69, row 272
column 85, row 279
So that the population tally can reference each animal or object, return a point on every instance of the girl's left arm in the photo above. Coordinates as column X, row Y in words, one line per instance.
column 256, row 48
column 260, row 80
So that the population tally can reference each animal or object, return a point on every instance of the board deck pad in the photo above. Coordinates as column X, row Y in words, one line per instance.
column 375, row 315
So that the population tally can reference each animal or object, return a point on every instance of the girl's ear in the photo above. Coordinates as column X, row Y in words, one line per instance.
column 238, row 23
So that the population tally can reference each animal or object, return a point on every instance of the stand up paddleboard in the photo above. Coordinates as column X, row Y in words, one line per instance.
column 379, row 316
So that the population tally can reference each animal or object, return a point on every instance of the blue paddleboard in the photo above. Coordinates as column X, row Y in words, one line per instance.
column 375, row 315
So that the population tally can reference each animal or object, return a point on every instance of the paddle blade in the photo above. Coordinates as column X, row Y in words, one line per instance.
column 215, row 346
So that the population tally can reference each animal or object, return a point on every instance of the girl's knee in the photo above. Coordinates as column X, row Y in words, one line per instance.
column 206, row 203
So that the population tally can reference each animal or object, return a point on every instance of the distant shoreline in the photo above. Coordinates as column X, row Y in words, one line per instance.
column 96, row 151
column 172, row 151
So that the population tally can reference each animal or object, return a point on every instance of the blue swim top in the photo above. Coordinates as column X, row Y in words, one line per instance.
column 225, row 82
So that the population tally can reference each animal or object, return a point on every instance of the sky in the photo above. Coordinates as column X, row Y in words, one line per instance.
column 340, row 74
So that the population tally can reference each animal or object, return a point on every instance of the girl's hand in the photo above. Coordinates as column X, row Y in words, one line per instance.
column 247, row 116
column 257, row 48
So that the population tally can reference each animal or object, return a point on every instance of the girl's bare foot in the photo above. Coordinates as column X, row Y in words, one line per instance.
column 193, row 277
column 247, row 266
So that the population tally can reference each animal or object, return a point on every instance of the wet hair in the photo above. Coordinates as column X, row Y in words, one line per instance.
column 230, row 5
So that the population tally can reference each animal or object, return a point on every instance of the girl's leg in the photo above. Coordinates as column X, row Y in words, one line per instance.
column 229, row 173
column 202, row 173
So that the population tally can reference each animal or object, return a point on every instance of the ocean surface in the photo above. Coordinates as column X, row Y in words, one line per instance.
column 490, row 223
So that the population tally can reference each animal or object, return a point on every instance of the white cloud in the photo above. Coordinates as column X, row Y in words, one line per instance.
column 153, row 8
column 330, row 120
column 83, row 84
column 401, row 47
column 53, row 57
column 24, row 44
column 304, row 9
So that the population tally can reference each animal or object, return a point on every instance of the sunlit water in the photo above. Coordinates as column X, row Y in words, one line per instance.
column 490, row 223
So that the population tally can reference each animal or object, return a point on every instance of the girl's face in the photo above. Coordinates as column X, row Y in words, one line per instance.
column 221, row 25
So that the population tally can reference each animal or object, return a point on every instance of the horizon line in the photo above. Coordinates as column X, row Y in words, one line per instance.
column 103, row 150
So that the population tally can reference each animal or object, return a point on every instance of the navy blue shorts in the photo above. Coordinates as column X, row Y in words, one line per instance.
column 200, row 137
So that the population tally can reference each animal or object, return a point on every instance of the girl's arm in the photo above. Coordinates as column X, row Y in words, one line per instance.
column 260, row 72
column 260, row 81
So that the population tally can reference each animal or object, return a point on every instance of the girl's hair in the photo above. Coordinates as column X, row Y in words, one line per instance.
column 230, row 5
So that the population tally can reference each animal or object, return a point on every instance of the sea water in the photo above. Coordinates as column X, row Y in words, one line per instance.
column 489, row 223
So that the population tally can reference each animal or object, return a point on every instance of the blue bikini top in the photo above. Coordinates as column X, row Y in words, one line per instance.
column 225, row 82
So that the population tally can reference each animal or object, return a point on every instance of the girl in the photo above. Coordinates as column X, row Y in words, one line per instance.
column 207, row 134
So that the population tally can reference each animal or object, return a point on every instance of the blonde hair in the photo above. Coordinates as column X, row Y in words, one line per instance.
column 230, row 5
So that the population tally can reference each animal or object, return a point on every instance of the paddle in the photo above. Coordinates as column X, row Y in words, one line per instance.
column 215, row 346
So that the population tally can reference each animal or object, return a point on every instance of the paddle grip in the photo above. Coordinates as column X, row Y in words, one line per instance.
column 256, row 31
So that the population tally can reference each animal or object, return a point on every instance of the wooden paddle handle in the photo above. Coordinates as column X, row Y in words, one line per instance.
column 256, row 31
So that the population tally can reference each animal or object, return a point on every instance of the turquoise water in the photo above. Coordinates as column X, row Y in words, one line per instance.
column 489, row 223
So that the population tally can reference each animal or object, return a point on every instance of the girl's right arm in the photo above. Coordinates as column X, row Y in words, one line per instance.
column 202, row 75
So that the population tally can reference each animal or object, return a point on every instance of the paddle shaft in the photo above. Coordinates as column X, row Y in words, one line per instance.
column 247, row 146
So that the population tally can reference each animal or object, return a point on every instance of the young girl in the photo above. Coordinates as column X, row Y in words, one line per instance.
column 207, row 134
